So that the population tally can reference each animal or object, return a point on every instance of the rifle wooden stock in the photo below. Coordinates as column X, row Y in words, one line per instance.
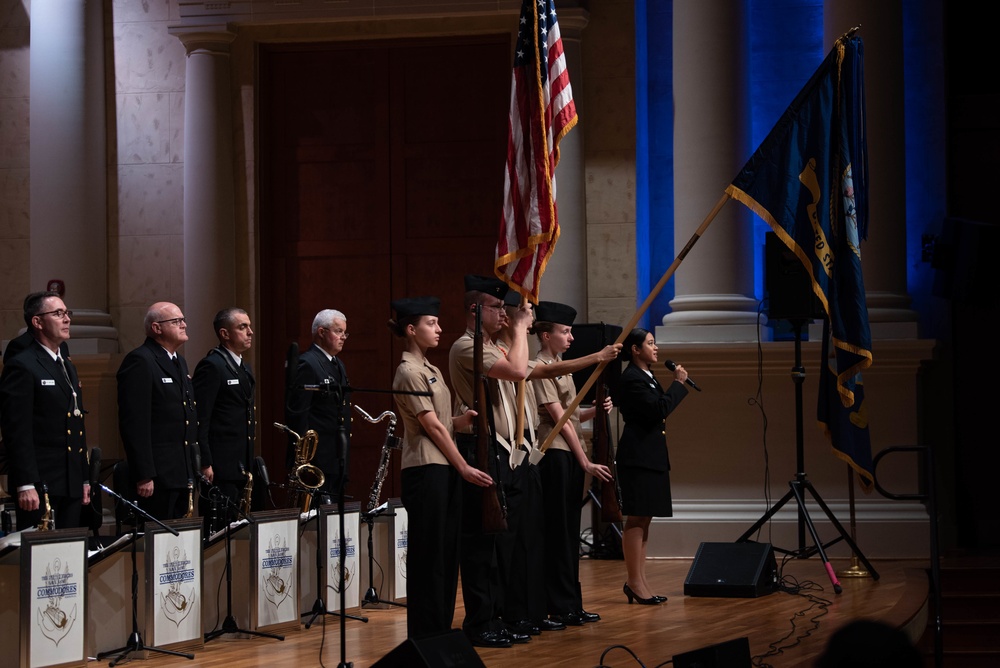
column 610, row 502
column 494, row 515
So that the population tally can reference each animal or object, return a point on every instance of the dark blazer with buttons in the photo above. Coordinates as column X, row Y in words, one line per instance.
column 226, row 414
column 157, row 417
column 644, row 405
column 45, row 441
column 326, row 411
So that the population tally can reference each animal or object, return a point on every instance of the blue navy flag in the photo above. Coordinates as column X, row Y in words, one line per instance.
column 809, row 181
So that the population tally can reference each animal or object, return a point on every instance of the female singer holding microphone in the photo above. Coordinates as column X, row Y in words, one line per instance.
column 563, row 468
column 642, row 464
column 431, row 469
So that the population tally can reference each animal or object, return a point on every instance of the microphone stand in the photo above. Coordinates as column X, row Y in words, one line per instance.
column 229, row 625
column 135, row 643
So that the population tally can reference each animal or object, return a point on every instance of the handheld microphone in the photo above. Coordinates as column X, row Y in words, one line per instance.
column 670, row 365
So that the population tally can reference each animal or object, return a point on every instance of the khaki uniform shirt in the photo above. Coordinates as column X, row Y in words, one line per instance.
column 416, row 374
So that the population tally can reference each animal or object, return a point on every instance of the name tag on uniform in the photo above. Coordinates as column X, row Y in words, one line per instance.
column 167, row 380
column 432, row 380
column 233, row 381
column 48, row 382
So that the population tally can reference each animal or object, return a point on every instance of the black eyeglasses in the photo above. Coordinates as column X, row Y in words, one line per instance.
column 58, row 313
column 172, row 321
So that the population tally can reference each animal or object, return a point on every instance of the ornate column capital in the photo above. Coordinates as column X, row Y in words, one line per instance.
column 212, row 38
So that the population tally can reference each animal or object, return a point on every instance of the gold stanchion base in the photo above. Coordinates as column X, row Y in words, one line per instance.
column 854, row 571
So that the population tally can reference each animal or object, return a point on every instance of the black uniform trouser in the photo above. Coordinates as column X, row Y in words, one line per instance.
column 481, row 585
column 432, row 496
column 562, row 486
column 520, row 550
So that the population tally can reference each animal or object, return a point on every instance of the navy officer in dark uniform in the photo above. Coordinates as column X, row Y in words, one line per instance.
column 157, row 417
column 224, row 389
column 319, row 399
column 41, row 417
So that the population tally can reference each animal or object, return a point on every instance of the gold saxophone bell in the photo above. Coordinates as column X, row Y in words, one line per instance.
column 306, row 476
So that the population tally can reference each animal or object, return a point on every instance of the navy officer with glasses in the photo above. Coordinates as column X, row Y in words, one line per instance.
column 41, row 418
column 319, row 399
column 157, row 416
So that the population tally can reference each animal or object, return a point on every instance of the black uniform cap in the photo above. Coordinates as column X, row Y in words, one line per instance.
column 513, row 298
column 486, row 284
column 554, row 312
column 411, row 306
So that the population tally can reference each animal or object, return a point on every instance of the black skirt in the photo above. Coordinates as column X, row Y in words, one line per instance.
column 645, row 493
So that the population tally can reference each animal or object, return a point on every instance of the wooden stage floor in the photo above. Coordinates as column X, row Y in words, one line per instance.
column 784, row 629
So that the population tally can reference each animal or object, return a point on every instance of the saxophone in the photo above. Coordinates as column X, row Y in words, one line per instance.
column 305, row 477
column 190, row 509
column 48, row 522
column 247, row 492
column 392, row 442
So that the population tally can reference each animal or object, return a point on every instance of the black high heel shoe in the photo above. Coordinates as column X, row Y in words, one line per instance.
column 638, row 599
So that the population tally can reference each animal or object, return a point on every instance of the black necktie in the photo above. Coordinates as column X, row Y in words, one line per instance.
column 65, row 373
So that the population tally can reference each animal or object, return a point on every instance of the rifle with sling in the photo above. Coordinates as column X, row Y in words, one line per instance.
column 494, row 513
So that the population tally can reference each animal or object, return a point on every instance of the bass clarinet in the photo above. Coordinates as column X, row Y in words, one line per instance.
column 392, row 442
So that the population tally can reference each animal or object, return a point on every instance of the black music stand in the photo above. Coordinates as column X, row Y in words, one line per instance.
column 229, row 625
column 800, row 485
column 371, row 599
column 319, row 605
column 134, row 642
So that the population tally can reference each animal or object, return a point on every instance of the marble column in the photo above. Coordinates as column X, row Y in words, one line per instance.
column 565, row 276
column 714, row 285
column 209, row 192
column 68, row 170
column 883, row 255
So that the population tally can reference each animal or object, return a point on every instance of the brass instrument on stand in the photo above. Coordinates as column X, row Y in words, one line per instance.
column 247, row 491
column 392, row 442
column 190, row 508
column 304, row 476
column 47, row 522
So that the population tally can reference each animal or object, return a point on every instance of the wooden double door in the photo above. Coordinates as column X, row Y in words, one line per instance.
column 381, row 176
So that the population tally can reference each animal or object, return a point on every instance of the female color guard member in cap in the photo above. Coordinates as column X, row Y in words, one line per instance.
column 562, row 468
column 431, row 467
column 642, row 462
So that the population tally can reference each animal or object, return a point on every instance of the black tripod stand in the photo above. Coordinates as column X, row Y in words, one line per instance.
column 319, row 605
column 371, row 599
column 229, row 625
column 134, row 642
column 800, row 485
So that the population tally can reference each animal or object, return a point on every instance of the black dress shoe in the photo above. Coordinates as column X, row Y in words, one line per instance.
column 514, row 636
column 652, row 600
column 489, row 639
column 569, row 619
column 588, row 616
column 550, row 625
column 527, row 627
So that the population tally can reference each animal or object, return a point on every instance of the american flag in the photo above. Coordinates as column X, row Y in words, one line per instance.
column 542, row 111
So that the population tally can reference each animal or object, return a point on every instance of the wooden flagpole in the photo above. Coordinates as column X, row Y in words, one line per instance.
column 635, row 318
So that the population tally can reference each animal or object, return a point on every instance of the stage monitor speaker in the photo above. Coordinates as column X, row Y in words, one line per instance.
column 789, row 288
column 732, row 570
column 589, row 338
column 446, row 650
column 730, row 654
